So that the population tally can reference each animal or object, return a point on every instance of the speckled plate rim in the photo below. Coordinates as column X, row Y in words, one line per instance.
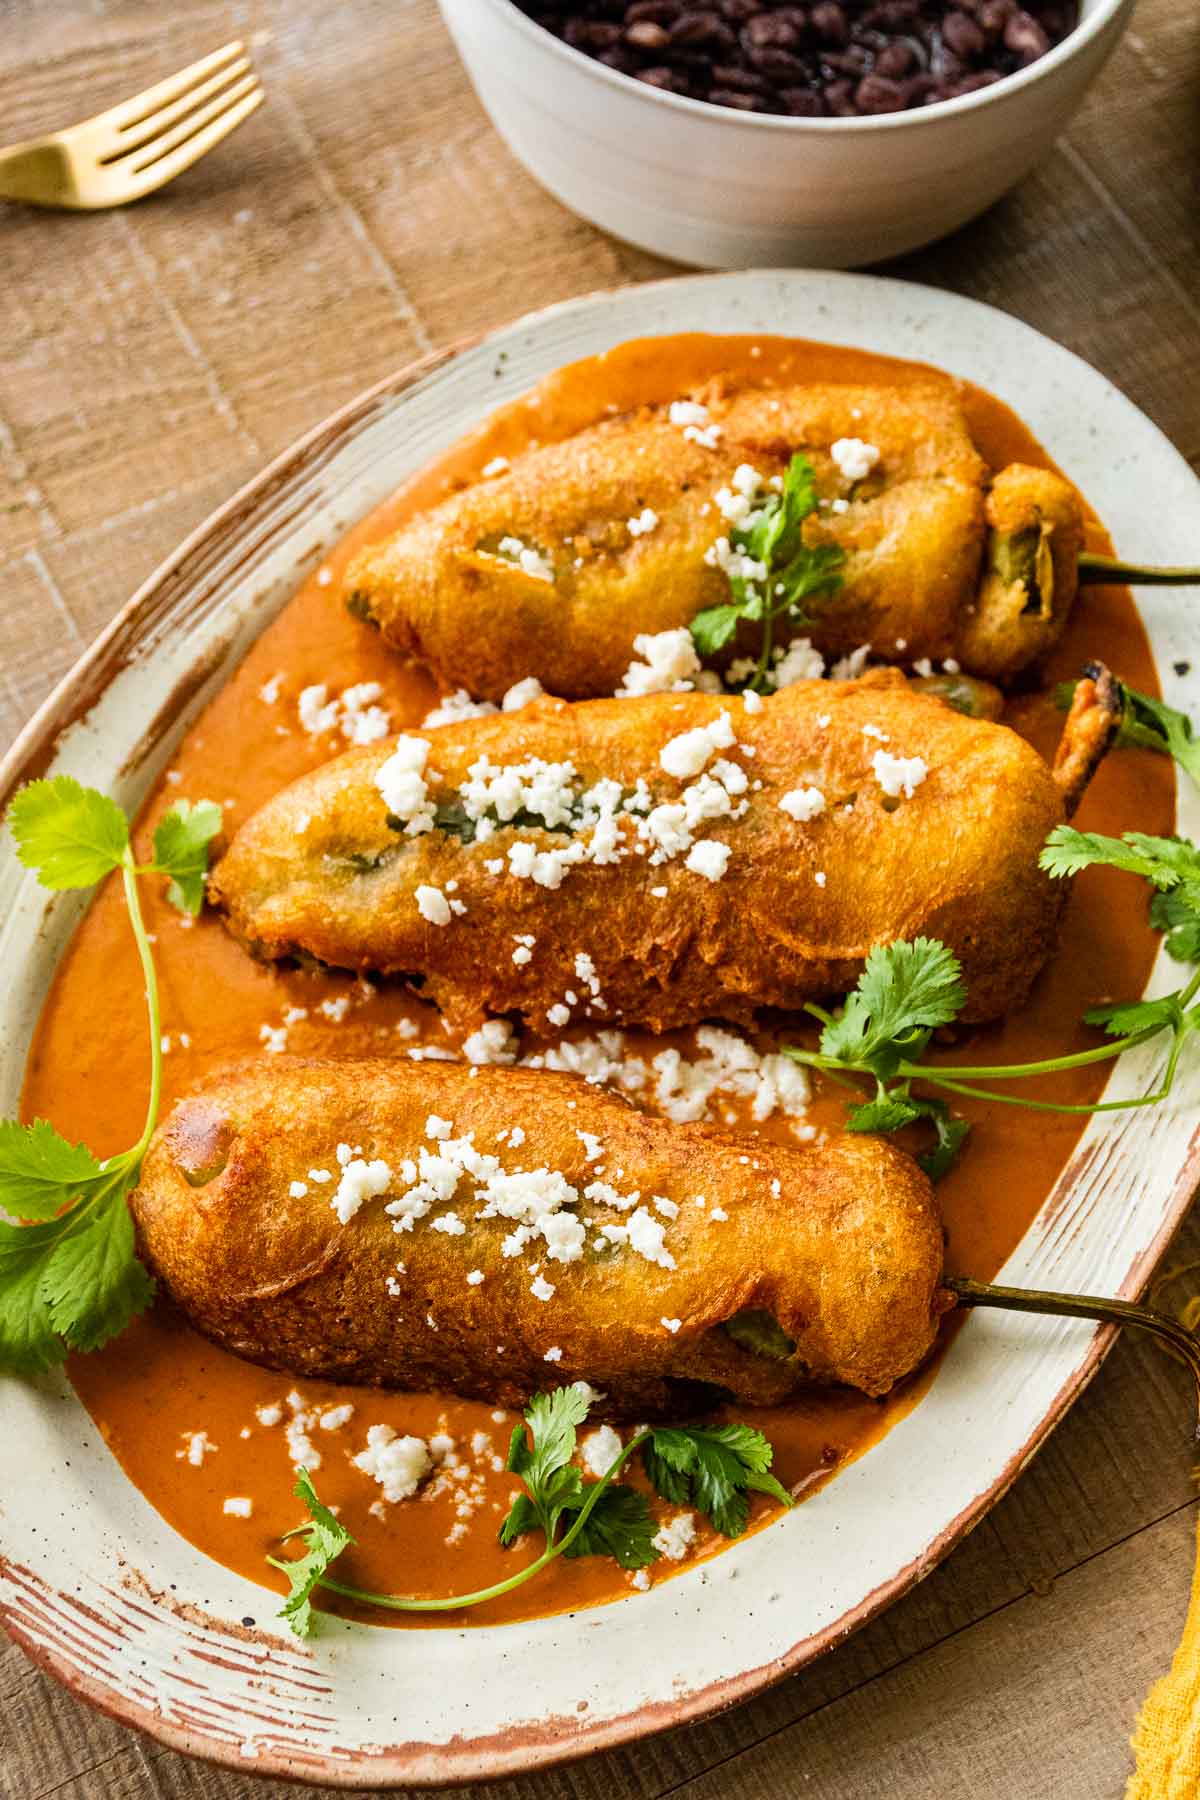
column 94, row 1585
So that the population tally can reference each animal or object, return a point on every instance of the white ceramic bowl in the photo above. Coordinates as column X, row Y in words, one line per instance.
column 725, row 189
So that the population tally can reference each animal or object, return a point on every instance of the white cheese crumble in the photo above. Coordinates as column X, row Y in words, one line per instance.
column 401, row 782
column 554, row 1354
column 898, row 775
column 709, row 858
column 354, row 712
column 360, row 1181
column 297, row 1190
column 499, row 465
column 645, row 521
column 336, row 1416
column 529, row 560
column 802, row 804
column 675, row 1537
column 197, row 1445
column 474, row 1277
column 671, row 1325
column 433, row 905
column 398, row 1464
column 541, row 1289
column 688, row 753
column 640, row 1580
column 849, row 668
column 268, row 693
column 854, row 458
column 238, row 1507
column 522, row 693
column 647, row 1237
column 451, row 709
column 495, row 1041
column 687, row 412
column 799, row 662
column 270, row 1414
column 669, row 665
column 599, row 1450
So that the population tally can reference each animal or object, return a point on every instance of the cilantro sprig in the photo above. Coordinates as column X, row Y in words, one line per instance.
column 908, row 990
column 713, row 1468
column 69, row 1274
column 1148, row 724
column 778, row 571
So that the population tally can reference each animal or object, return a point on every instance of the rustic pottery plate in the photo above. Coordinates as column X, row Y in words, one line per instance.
column 98, row 1589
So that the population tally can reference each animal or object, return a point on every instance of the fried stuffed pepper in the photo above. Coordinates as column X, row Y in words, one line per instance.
column 667, row 859
column 491, row 1231
column 554, row 567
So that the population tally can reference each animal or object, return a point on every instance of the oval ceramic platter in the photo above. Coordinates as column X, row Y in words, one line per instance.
column 93, row 1583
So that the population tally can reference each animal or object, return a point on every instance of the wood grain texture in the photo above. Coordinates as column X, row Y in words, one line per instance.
column 151, row 360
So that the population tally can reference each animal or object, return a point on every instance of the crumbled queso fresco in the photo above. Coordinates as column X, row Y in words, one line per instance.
column 354, row 712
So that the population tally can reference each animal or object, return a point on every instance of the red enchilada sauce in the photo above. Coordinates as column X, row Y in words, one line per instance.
column 159, row 1387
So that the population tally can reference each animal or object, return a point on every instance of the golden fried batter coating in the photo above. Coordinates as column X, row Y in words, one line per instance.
column 826, row 854
column 913, row 532
column 913, row 536
column 837, row 1248
column 1032, row 575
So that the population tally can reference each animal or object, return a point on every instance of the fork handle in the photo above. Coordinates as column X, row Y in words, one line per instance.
column 37, row 173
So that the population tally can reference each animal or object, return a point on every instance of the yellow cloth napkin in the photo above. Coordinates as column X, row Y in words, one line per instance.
column 1166, row 1738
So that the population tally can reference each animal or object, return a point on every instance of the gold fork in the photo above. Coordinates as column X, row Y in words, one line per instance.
column 138, row 146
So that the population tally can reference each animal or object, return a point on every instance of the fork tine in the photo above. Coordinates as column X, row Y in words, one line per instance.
column 145, row 177
column 132, row 112
column 164, row 130
column 156, row 123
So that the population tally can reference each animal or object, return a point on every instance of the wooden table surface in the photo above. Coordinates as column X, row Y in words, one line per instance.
column 152, row 359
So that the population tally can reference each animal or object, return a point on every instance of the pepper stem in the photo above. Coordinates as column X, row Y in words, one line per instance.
column 1093, row 567
column 1084, row 1306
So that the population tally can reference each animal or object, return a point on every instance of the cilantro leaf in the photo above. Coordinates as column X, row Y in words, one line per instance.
column 951, row 1133
column 1179, row 917
column 28, row 1344
column 72, row 1281
column 714, row 627
column 715, row 1468
column 325, row 1538
column 544, row 1462
column 778, row 571
column 1175, row 728
column 1125, row 1017
column 894, row 1108
column 93, row 1283
column 619, row 1525
column 521, row 1517
column 887, row 1112
column 904, row 992
column 70, row 835
column 181, row 843
column 552, row 1420
column 1165, row 862
column 39, row 1170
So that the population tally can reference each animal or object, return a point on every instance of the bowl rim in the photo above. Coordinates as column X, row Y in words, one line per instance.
column 912, row 118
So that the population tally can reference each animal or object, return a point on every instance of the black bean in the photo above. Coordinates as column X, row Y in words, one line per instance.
column 703, row 28
column 839, row 57
column 771, row 31
column 1025, row 37
column 804, row 103
column 895, row 60
column 644, row 34
column 963, row 35
column 876, row 94
column 830, row 23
